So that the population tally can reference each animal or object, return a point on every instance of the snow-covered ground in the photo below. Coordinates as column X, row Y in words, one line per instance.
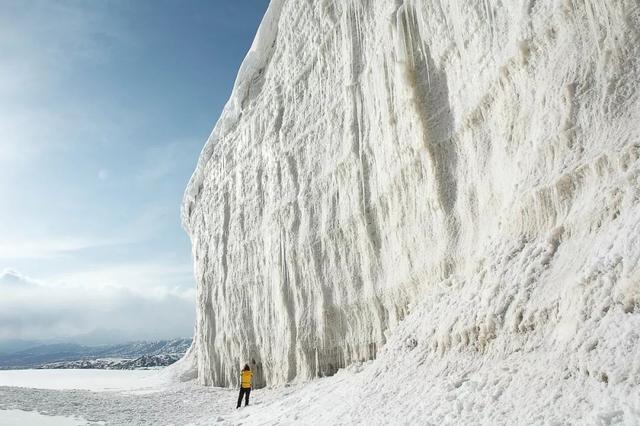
column 72, row 397
column 24, row 418
column 512, row 391
column 114, row 397
column 86, row 379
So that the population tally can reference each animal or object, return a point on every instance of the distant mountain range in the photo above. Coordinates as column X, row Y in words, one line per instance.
column 139, row 354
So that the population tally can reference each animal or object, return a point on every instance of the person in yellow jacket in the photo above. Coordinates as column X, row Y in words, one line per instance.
column 245, row 385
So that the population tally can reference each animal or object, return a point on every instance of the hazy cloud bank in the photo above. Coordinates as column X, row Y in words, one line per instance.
column 31, row 309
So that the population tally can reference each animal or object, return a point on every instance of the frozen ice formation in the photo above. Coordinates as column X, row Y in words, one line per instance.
column 475, row 163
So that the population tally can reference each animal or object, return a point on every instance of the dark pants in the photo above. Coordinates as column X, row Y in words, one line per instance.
column 244, row 392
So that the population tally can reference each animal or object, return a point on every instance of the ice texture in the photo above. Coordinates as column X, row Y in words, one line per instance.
column 472, row 164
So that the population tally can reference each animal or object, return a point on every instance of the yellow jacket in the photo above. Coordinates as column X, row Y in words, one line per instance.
column 245, row 379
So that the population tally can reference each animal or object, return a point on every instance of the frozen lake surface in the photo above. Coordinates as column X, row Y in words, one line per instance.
column 92, row 380
column 22, row 418
column 120, row 397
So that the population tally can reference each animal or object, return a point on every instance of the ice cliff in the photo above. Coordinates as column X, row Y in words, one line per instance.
column 472, row 164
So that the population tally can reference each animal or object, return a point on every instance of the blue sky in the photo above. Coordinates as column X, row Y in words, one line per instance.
column 104, row 108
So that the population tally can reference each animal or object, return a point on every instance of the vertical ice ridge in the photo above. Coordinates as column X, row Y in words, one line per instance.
column 254, row 64
column 384, row 155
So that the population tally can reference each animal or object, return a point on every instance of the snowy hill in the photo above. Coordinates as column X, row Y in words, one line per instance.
column 143, row 361
column 121, row 356
column 450, row 187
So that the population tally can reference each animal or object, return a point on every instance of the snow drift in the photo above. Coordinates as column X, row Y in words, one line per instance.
column 474, row 165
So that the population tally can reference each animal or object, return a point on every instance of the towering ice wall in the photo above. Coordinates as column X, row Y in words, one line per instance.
column 379, row 153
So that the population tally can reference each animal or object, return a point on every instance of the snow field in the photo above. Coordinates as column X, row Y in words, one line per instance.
column 112, row 397
column 416, row 388
column 85, row 379
column 22, row 418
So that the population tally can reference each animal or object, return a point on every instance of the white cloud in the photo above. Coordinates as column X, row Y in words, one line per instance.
column 10, row 278
column 150, row 276
column 50, row 247
column 33, row 309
